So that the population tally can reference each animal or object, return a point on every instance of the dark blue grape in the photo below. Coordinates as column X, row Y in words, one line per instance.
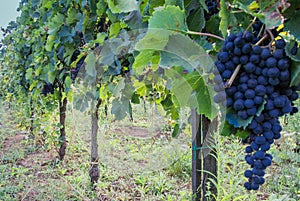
column 271, row 62
column 220, row 97
column 249, row 103
column 260, row 140
column 252, row 111
column 265, row 53
column 243, row 114
column 280, row 44
column 254, row 59
column 250, row 93
column 283, row 64
column 267, row 161
column 256, row 50
column 258, row 100
column 243, row 59
column 238, row 104
column 223, row 56
column 273, row 72
column 248, row 149
column 260, row 90
column 278, row 54
column 249, row 67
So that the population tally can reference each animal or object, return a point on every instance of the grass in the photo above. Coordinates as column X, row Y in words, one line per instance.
column 138, row 161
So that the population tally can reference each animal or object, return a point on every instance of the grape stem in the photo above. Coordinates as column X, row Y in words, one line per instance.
column 230, row 81
column 271, row 35
column 250, row 25
column 205, row 34
column 262, row 39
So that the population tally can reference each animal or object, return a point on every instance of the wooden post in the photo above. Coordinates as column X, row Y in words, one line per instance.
column 94, row 171
column 62, row 120
column 204, row 162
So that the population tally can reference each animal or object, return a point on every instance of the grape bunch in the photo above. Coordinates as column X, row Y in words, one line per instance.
column 212, row 6
column 75, row 71
column 48, row 88
column 260, row 93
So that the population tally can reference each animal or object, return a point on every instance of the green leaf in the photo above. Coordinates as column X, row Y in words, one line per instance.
column 29, row 74
column 114, row 29
column 271, row 19
column 191, row 90
column 170, row 18
column 135, row 98
column 176, row 130
column 101, row 7
column 175, row 3
column 203, row 4
column 120, row 108
column 145, row 58
column 290, row 11
column 122, row 6
column 227, row 129
column 224, row 16
column 73, row 16
column 196, row 21
column 263, row 4
column 90, row 66
column 295, row 73
column 51, row 76
column 293, row 25
column 202, row 97
column 153, row 4
column 120, row 86
column 81, row 103
column 242, row 133
column 68, row 83
column 170, row 59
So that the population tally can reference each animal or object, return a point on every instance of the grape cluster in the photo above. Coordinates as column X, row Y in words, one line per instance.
column 48, row 88
column 75, row 71
column 260, row 93
column 212, row 6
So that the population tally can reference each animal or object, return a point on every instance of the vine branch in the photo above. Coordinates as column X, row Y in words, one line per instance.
column 205, row 34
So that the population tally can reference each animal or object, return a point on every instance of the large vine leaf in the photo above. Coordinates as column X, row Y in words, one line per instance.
column 122, row 6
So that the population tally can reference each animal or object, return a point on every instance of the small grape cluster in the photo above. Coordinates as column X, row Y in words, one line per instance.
column 48, row 88
column 260, row 93
column 75, row 71
column 212, row 6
